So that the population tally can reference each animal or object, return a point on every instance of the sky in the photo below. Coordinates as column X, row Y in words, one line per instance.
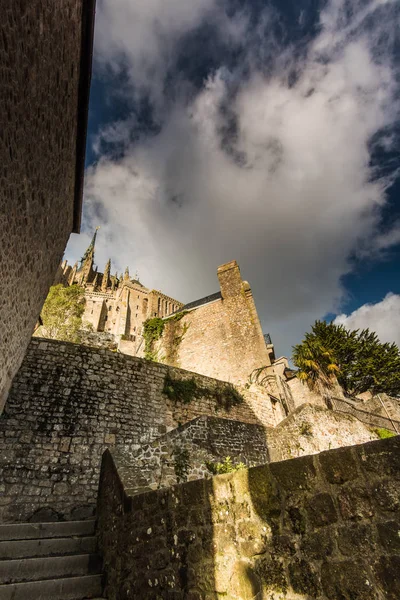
column 266, row 132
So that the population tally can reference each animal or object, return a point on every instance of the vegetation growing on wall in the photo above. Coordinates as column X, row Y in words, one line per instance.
column 226, row 466
column 174, row 333
column 383, row 433
column 356, row 359
column 187, row 390
column 152, row 331
column 62, row 313
column 306, row 429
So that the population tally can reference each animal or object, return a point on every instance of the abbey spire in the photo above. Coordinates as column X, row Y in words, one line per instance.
column 106, row 277
column 89, row 254
column 85, row 271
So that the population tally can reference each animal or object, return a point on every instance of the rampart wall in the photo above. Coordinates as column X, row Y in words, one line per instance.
column 68, row 403
column 319, row 527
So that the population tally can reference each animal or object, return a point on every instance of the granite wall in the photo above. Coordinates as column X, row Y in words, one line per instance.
column 67, row 404
column 45, row 57
column 322, row 527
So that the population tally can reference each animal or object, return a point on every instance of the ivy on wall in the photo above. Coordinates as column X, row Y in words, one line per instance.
column 154, row 328
column 174, row 333
column 152, row 331
column 187, row 390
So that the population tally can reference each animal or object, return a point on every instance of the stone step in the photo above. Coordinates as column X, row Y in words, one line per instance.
column 47, row 547
column 27, row 531
column 69, row 588
column 34, row 569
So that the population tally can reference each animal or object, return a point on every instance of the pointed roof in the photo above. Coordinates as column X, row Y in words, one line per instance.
column 90, row 249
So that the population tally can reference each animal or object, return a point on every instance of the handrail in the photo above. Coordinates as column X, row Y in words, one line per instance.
column 369, row 418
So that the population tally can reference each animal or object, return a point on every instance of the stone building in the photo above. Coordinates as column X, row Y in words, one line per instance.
column 45, row 56
column 220, row 335
column 115, row 305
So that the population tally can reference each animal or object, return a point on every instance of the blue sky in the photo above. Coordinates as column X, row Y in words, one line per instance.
column 257, row 131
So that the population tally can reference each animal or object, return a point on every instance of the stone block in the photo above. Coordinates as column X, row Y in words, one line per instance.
column 338, row 466
column 321, row 510
column 354, row 502
column 386, row 495
column 389, row 535
column 296, row 475
column 381, row 458
column 347, row 579
column 318, row 545
column 356, row 538
column 386, row 570
column 304, row 578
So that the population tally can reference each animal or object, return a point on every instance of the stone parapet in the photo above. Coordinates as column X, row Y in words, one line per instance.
column 320, row 527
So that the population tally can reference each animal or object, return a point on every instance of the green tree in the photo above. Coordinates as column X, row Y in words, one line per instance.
column 356, row 359
column 62, row 313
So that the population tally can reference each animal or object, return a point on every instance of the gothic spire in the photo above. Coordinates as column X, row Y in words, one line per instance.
column 90, row 250
column 106, row 276
column 126, row 274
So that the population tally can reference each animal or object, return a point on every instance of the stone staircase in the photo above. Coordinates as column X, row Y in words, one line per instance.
column 49, row 561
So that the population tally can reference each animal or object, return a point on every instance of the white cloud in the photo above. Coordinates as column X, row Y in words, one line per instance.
column 382, row 317
column 272, row 174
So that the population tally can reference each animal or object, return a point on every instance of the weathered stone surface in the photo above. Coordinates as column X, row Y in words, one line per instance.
column 51, row 443
column 338, row 467
column 321, row 510
column 347, row 579
column 250, row 535
column 40, row 122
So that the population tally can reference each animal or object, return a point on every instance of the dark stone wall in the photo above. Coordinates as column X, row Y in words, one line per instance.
column 43, row 97
column 322, row 527
column 67, row 404
column 183, row 453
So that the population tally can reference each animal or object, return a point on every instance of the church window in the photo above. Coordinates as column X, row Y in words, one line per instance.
column 109, row 308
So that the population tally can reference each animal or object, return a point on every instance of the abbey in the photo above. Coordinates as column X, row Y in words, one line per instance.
column 117, row 305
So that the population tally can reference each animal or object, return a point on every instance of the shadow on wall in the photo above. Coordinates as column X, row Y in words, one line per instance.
column 67, row 404
column 309, row 528
column 158, row 544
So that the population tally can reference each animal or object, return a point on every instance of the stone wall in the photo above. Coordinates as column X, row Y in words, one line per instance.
column 311, row 429
column 182, row 454
column 321, row 527
column 357, row 410
column 222, row 338
column 44, row 85
column 68, row 403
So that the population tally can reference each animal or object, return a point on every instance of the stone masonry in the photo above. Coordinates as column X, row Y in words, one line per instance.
column 68, row 403
column 45, row 57
column 322, row 527
column 182, row 454
column 221, row 338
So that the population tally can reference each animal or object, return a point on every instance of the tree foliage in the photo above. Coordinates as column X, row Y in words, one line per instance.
column 62, row 313
column 356, row 359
